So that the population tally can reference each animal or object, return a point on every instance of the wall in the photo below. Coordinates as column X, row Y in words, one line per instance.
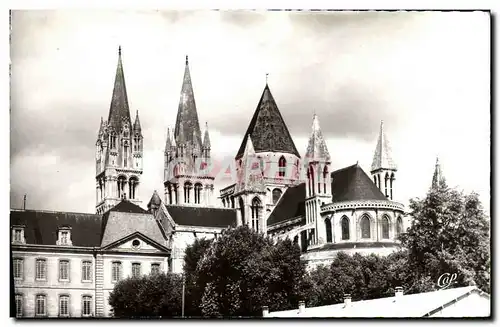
column 52, row 287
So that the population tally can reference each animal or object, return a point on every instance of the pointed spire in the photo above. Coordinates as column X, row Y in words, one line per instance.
column 206, row 139
column 181, row 139
column 172, row 139
column 187, row 116
column 249, row 149
column 316, row 148
column 382, row 158
column 168, row 143
column 437, row 178
column 137, row 123
column 268, row 129
column 101, row 128
column 155, row 200
column 119, row 109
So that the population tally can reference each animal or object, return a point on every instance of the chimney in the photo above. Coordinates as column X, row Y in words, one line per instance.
column 265, row 311
column 399, row 291
column 302, row 307
column 347, row 299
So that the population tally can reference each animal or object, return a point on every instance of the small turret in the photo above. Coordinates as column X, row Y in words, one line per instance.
column 438, row 179
column 137, row 123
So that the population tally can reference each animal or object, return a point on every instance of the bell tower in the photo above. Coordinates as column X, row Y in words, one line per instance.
column 119, row 150
column 383, row 167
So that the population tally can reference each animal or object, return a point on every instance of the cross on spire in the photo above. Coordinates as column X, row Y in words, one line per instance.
column 267, row 75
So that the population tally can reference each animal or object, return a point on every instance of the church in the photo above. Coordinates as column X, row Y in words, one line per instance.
column 65, row 264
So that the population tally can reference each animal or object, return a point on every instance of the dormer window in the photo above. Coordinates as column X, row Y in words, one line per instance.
column 18, row 234
column 64, row 237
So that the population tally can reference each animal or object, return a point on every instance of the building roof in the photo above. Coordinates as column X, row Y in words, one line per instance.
column 41, row 227
column 404, row 306
column 202, row 216
column 290, row 205
column 187, row 117
column 352, row 184
column 316, row 148
column 382, row 158
column 119, row 109
column 268, row 129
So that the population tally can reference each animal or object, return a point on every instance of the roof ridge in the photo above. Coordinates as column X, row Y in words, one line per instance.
column 54, row 211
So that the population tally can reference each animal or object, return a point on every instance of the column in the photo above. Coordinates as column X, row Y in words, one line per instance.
column 97, row 192
column 99, row 285
column 180, row 194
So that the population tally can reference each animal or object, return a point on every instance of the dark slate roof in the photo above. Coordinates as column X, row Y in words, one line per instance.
column 202, row 216
column 123, row 206
column 119, row 109
column 290, row 205
column 268, row 129
column 41, row 227
column 351, row 184
column 187, row 116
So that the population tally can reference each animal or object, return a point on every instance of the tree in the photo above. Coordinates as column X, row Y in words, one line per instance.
column 194, row 287
column 244, row 270
column 449, row 234
column 154, row 295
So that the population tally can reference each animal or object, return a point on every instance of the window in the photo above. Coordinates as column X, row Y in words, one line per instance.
column 125, row 155
column 281, row 167
column 365, row 227
column 276, row 195
column 155, row 268
column 325, row 178
column 255, row 214
column 385, row 227
column 41, row 269
column 18, row 235
column 19, row 305
column 197, row 193
column 399, row 226
column 328, row 227
column 40, row 305
column 18, row 268
column 121, row 186
column 64, row 270
column 64, row 238
column 113, row 140
column 87, row 306
column 86, row 271
column 116, row 271
column 345, row 228
column 187, row 192
column 64, row 306
column 136, row 270
column 64, row 235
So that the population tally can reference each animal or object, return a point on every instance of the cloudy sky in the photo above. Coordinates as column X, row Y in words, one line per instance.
column 426, row 75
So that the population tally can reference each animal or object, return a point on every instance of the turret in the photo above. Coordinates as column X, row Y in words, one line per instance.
column 383, row 166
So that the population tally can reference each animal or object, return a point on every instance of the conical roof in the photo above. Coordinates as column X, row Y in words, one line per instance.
column 352, row 184
column 119, row 109
column 382, row 158
column 137, row 123
column 206, row 139
column 268, row 129
column 187, row 116
column 316, row 148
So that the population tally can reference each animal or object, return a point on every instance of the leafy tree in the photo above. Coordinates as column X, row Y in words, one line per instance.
column 194, row 287
column 449, row 233
column 244, row 270
column 151, row 295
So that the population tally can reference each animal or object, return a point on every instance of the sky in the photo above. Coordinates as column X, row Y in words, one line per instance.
column 426, row 75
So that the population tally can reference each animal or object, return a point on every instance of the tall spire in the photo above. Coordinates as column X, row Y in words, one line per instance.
column 382, row 158
column 206, row 139
column 137, row 123
column 168, row 143
column 316, row 148
column 437, row 178
column 101, row 128
column 187, row 116
column 119, row 109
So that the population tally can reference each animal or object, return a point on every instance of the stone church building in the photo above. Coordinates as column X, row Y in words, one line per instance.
column 65, row 264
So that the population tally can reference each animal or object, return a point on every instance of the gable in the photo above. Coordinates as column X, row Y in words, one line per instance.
column 138, row 243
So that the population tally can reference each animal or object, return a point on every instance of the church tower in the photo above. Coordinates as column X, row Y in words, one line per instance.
column 383, row 167
column 188, row 179
column 119, row 150
column 318, row 188
column 438, row 178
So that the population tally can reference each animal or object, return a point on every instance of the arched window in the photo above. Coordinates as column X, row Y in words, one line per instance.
column 309, row 181
column 392, row 182
column 197, row 192
column 112, row 140
column 282, row 167
column 375, row 179
column 224, row 203
column 121, row 186
column 137, row 141
column 319, row 180
column 386, row 180
column 311, row 172
column 345, row 228
column 328, row 227
column 399, row 226
column 187, row 191
column 232, row 202
column 325, row 178
column 169, row 187
column 132, row 187
column 365, row 227
column 256, row 208
column 242, row 211
column 385, row 227
column 276, row 195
